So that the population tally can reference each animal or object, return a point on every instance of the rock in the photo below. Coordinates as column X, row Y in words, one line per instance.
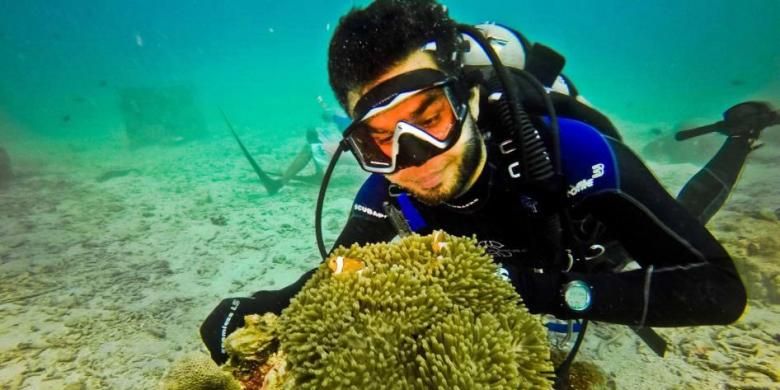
column 5, row 168
column 162, row 115
column 156, row 332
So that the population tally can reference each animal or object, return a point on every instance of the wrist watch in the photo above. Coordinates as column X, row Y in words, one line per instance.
column 577, row 296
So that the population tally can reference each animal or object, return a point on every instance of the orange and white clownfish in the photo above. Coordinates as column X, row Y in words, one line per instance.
column 347, row 265
column 438, row 243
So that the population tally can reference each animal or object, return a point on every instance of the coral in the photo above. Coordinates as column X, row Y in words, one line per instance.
column 197, row 372
column 254, row 341
column 274, row 372
column 255, row 359
column 587, row 376
column 583, row 375
column 426, row 312
column 269, row 373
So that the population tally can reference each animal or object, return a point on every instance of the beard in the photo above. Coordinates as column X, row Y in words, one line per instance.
column 468, row 164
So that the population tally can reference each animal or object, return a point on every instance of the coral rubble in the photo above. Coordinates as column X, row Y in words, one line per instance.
column 197, row 372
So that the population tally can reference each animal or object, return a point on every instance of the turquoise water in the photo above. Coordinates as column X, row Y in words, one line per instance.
column 264, row 61
column 153, row 237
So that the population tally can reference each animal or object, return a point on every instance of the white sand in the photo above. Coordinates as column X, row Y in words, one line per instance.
column 105, row 283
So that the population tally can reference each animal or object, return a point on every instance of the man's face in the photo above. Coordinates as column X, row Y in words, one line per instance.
column 448, row 174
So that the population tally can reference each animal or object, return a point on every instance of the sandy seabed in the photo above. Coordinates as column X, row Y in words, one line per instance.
column 110, row 258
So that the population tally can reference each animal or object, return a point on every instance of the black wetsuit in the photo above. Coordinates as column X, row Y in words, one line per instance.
column 686, row 276
column 689, row 277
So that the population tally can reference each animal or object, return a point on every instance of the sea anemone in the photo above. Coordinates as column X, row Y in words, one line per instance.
column 419, row 315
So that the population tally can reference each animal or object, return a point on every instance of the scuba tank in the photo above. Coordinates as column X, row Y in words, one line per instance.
column 516, row 52
column 524, row 59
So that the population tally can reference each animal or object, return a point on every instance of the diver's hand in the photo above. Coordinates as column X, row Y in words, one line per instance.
column 540, row 292
column 229, row 314
column 223, row 320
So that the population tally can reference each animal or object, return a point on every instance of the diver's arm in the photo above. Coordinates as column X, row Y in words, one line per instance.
column 362, row 231
column 366, row 224
column 702, row 288
column 687, row 277
column 367, row 221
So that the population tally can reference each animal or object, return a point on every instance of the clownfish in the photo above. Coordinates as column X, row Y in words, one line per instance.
column 437, row 242
column 341, row 264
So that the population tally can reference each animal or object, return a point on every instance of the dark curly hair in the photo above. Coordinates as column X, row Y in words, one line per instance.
column 368, row 42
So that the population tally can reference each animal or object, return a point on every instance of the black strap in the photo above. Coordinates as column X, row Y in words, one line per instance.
column 389, row 89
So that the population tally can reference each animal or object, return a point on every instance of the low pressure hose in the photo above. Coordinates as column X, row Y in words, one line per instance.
column 537, row 165
column 321, row 198
column 539, row 169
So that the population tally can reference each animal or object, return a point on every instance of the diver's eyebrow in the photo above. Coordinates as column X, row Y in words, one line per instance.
column 429, row 98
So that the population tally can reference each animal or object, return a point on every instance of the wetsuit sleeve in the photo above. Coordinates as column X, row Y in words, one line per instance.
column 687, row 277
column 367, row 221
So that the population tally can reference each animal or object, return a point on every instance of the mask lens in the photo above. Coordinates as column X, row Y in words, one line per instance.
column 429, row 110
column 368, row 151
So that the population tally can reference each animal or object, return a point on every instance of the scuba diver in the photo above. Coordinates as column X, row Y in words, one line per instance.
column 456, row 141
column 321, row 144
column 317, row 151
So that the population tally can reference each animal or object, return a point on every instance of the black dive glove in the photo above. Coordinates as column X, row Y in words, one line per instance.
column 541, row 293
column 229, row 314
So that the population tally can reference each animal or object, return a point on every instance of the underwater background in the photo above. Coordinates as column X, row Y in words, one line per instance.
column 265, row 61
column 131, row 211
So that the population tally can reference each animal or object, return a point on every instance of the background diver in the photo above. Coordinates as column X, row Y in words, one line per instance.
column 321, row 144
column 565, row 201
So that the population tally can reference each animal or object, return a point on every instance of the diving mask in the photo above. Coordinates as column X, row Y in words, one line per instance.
column 406, row 120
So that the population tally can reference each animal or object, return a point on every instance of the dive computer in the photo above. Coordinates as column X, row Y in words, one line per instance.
column 577, row 296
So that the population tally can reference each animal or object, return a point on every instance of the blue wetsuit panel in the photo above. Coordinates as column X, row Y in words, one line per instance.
column 372, row 194
column 416, row 221
column 588, row 162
